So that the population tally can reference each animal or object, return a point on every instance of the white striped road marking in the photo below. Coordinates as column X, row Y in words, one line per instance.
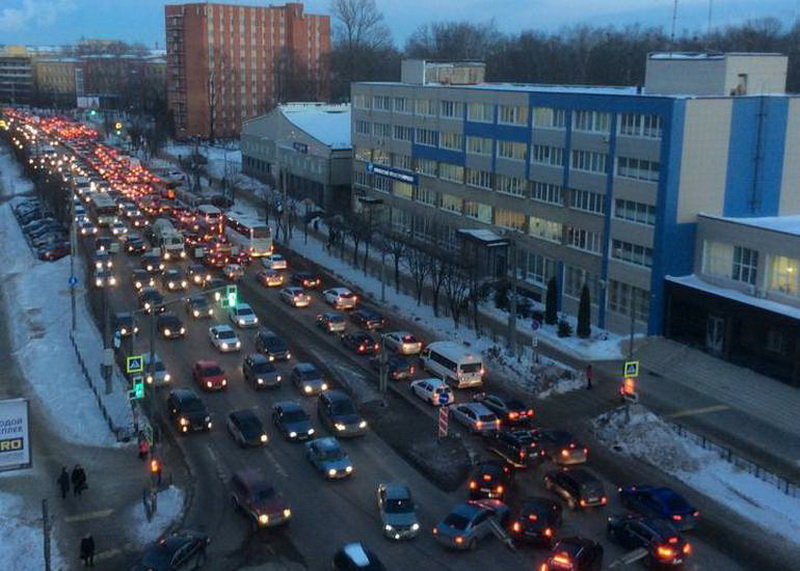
column 704, row 410
column 88, row 515
column 222, row 473
column 278, row 468
column 111, row 553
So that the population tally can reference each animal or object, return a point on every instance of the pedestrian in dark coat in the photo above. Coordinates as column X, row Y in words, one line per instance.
column 589, row 375
column 144, row 447
column 63, row 482
column 87, row 550
column 78, row 480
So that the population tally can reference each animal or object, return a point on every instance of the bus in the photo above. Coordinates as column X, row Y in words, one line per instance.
column 103, row 209
column 250, row 234
column 455, row 363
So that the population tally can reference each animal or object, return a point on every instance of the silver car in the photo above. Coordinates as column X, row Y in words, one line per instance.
column 398, row 513
column 476, row 417
column 469, row 522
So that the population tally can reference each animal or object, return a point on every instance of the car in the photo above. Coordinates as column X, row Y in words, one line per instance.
column 255, row 497
column 186, row 549
column 217, row 285
column 224, row 338
column 433, row 391
column 246, row 428
column 664, row 544
column 259, row 371
column 102, row 260
column 274, row 262
column 292, row 421
column 209, row 375
column 141, row 279
column 398, row 367
column 340, row 298
column 402, row 342
column 308, row 379
column 135, row 244
column 152, row 263
column 86, row 228
column 174, row 280
column 577, row 486
column 469, row 522
column 170, row 326
column 242, row 257
column 233, row 272
column 49, row 240
column 104, row 277
column 331, row 322
column 158, row 373
column 269, row 278
column 356, row 557
column 536, row 520
column 574, row 554
column 198, row 307
column 188, row 411
column 272, row 346
column 560, row 446
column 140, row 222
column 327, row 456
column 150, row 299
column 306, row 280
column 508, row 408
column 665, row 503
column 124, row 324
column 295, row 296
column 339, row 414
column 361, row 342
column 490, row 479
column 476, row 417
column 54, row 252
column 198, row 274
column 367, row 319
column 118, row 228
column 516, row 446
column 242, row 315
column 397, row 510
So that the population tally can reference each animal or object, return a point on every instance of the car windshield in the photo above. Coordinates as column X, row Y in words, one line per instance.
column 274, row 343
column 225, row 334
column 331, row 454
column 263, row 367
column 264, row 494
column 341, row 407
column 471, row 368
column 244, row 311
column 399, row 506
column 487, row 417
column 456, row 521
column 592, row 489
column 250, row 425
column 310, row 374
column 199, row 302
column 336, row 318
column 212, row 371
column 193, row 405
column 295, row 416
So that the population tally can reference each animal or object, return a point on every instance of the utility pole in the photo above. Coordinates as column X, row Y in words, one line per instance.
column 383, row 360
column 108, row 352
column 512, row 305
column 73, row 249
column 633, row 327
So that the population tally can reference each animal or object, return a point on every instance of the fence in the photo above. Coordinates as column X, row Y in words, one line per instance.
column 789, row 488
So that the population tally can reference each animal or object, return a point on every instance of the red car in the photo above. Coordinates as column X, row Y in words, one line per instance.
column 55, row 253
column 209, row 375
column 243, row 258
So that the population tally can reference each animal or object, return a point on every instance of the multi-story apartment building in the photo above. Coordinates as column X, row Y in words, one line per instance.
column 591, row 185
column 16, row 75
column 228, row 63
column 54, row 80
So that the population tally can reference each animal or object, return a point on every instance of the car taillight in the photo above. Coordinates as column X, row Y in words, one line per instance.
column 435, row 531
column 479, row 425
column 533, row 517
column 513, row 415
column 677, row 517
column 361, row 348
column 499, row 489
column 583, row 503
column 687, row 549
column 517, row 527
column 486, row 477
column 665, row 552
column 473, row 485
column 459, row 540
column 548, row 532
column 672, row 540
column 565, row 453
column 696, row 513
column 604, row 500
column 562, row 559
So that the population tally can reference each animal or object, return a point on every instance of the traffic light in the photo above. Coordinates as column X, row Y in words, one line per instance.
column 138, row 388
column 231, row 297
column 628, row 389
column 155, row 465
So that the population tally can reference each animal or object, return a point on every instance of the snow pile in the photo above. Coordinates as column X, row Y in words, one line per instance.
column 22, row 546
column 562, row 385
column 170, row 503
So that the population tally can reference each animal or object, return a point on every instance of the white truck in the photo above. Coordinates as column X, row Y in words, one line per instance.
column 168, row 239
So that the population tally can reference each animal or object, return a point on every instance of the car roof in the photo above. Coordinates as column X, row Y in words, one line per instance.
column 244, row 414
column 185, row 394
column 252, row 478
column 327, row 443
column 396, row 491
column 288, row 405
column 207, row 363
column 305, row 367
column 433, row 381
column 580, row 475
column 476, row 407
column 338, row 289
column 334, row 394
column 222, row 327
column 257, row 358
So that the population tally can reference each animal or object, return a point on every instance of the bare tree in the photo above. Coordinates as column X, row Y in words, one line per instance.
column 418, row 263
column 440, row 266
column 456, row 283
column 454, row 41
column 397, row 249
column 358, row 23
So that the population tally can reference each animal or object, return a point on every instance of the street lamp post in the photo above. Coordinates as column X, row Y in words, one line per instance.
column 73, row 250
column 512, row 305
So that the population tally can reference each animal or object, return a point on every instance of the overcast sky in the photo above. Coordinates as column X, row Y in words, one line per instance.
column 49, row 22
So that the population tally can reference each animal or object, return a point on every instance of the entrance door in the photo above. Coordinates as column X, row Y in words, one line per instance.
column 715, row 333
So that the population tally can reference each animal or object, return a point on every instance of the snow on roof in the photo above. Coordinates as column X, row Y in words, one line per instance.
column 526, row 87
column 481, row 234
column 707, row 56
column 784, row 224
column 329, row 124
column 695, row 282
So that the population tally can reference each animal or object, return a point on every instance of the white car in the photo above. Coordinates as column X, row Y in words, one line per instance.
column 86, row 228
column 243, row 315
column 104, row 277
column 233, row 272
column 224, row 338
column 118, row 228
column 295, row 296
column 402, row 342
column 340, row 298
column 274, row 262
column 433, row 391
column 475, row 416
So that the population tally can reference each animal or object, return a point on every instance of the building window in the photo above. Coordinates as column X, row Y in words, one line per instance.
column 452, row 141
column 360, row 178
column 589, row 161
column 382, row 130
column 745, row 265
column 591, row 121
column 425, row 107
column 363, row 154
column 540, row 269
column 512, row 114
column 382, row 184
column 510, row 184
column 638, row 125
column 635, row 212
column 512, row 150
column 479, row 145
column 479, row 178
column 360, row 101
column 426, row 167
column 547, row 192
column 451, row 109
column 451, row 203
column 545, row 229
column 639, row 169
column 717, row 259
column 382, row 102
column 588, row 201
column 454, row 173
column 478, row 211
column 623, row 297
column 427, row 137
column 483, row 112
column 547, row 155
column 403, row 189
column 425, row 195
column 632, row 253
column 401, row 105
column 510, row 219
column 402, row 133
column 777, row 342
column 574, row 280
column 363, row 127
column 582, row 239
column 381, row 157
column 547, row 118
column 402, row 161
column 784, row 275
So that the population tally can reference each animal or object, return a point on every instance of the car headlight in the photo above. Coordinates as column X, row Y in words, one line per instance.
column 171, row 285
column 263, row 519
column 287, row 513
column 271, row 358
column 339, row 426
column 196, row 313
column 331, row 472
column 183, row 283
column 184, row 421
column 362, row 424
column 311, row 431
column 292, row 434
column 288, row 355
column 167, row 377
column 307, row 388
column 183, row 331
column 263, row 438
column 167, row 332
column 324, row 386
column 241, row 322
column 224, row 346
column 414, row 526
column 98, row 282
column 255, row 320
column 238, row 344
column 278, row 378
column 123, row 331
column 210, row 311
column 147, row 305
column 224, row 382
column 260, row 381
column 388, row 527
column 208, row 384
column 349, row 469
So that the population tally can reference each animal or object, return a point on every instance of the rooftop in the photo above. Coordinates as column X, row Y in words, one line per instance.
column 784, row 224
column 329, row 124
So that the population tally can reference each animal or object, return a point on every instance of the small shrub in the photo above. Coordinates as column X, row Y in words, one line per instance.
column 564, row 328
column 501, row 296
column 550, row 315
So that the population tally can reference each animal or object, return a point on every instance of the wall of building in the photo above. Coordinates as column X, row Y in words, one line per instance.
column 766, row 74
column 790, row 179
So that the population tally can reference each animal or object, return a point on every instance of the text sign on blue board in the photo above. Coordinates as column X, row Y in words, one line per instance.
column 393, row 174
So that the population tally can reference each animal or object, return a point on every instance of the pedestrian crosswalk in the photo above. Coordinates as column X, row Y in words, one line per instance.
column 99, row 514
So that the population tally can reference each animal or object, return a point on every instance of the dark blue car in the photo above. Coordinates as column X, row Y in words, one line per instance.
column 664, row 503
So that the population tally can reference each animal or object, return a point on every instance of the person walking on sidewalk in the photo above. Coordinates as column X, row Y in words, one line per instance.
column 589, row 375
column 63, row 482
column 87, row 550
column 144, row 447
column 78, row 480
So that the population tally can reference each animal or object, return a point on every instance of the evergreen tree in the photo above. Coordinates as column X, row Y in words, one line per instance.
column 550, row 312
column 585, row 314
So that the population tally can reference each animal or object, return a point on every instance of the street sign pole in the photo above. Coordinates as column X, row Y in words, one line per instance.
column 535, row 326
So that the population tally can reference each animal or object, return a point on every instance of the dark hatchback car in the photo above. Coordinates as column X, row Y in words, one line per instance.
column 575, row 554
column 367, row 319
column 536, row 520
column 198, row 307
column 292, row 421
column 259, row 371
column 665, row 546
column 560, row 446
column 258, row 500
column 339, row 413
column 307, row 280
column 361, row 342
column 577, row 486
column 660, row 502
column 135, row 245
column 150, row 298
column 183, row 550
column 398, row 367
column 272, row 346
column 170, row 326
column 246, row 428
column 187, row 411
column 490, row 479
column 516, row 446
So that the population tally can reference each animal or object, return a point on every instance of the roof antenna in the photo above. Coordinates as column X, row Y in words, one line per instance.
column 674, row 20
column 710, row 10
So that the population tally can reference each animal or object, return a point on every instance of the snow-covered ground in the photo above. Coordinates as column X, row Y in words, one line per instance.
column 22, row 547
column 646, row 437
column 170, row 503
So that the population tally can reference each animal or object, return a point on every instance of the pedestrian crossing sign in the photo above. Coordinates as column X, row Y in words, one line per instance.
column 631, row 369
column 134, row 364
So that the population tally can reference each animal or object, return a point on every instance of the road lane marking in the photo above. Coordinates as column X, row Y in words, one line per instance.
column 278, row 467
column 89, row 515
column 704, row 410
column 111, row 553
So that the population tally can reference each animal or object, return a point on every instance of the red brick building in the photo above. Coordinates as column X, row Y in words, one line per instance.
column 227, row 63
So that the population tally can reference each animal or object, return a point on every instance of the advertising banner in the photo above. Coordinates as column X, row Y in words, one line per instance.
column 15, row 444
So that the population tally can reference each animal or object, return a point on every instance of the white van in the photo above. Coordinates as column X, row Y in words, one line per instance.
column 455, row 363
